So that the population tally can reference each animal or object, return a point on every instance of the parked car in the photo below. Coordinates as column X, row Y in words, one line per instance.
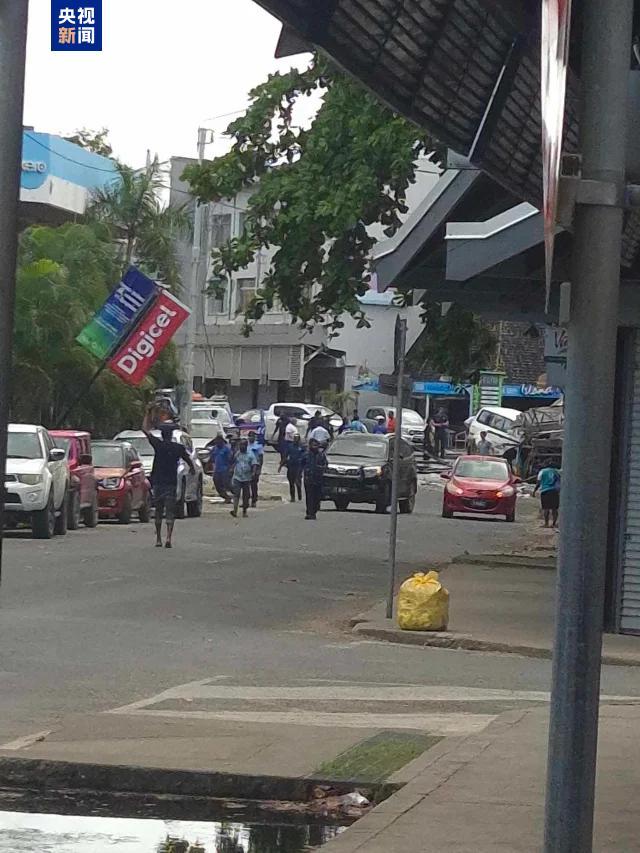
column 203, row 433
column 36, row 481
column 359, row 471
column 413, row 424
column 82, row 503
column 498, row 423
column 300, row 414
column 190, row 486
column 252, row 420
column 123, row 487
column 219, row 412
column 480, row 484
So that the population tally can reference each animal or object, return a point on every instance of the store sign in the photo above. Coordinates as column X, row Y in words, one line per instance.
column 121, row 311
column 141, row 349
column 556, row 344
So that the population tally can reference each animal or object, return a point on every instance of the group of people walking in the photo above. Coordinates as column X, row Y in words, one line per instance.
column 304, row 464
column 236, row 471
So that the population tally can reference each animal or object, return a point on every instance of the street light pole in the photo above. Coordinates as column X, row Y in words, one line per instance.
column 13, row 41
column 401, row 343
column 606, row 46
column 193, row 297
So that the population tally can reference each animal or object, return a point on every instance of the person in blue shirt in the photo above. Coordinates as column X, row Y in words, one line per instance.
column 244, row 468
column 381, row 425
column 548, row 485
column 257, row 449
column 314, row 467
column 294, row 463
column 221, row 457
column 344, row 425
column 356, row 424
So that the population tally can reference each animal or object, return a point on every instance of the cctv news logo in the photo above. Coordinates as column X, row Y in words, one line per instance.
column 139, row 352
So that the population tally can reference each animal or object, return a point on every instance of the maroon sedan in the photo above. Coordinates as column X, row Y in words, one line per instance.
column 482, row 485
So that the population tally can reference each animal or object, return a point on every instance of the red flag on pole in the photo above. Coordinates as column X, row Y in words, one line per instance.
column 139, row 352
column 554, row 59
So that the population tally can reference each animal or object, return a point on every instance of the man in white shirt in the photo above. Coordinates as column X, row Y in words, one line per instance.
column 320, row 434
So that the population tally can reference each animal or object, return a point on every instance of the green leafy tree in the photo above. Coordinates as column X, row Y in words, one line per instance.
column 314, row 191
column 64, row 274
column 145, row 228
column 93, row 140
column 455, row 344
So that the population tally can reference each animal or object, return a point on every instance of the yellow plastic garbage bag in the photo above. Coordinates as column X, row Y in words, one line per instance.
column 423, row 604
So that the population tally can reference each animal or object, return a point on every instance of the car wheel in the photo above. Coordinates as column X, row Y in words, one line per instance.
column 144, row 513
column 446, row 513
column 511, row 516
column 125, row 516
column 342, row 504
column 61, row 518
column 90, row 515
column 73, row 510
column 407, row 505
column 194, row 508
column 44, row 521
column 180, row 508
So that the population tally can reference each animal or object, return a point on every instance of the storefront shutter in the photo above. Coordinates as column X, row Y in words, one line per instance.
column 630, row 610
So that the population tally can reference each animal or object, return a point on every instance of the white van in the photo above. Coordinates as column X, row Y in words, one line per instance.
column 498, row 423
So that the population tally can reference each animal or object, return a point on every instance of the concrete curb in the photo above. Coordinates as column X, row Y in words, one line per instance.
column 466, row 642
column 507, row 561
column 41, row 774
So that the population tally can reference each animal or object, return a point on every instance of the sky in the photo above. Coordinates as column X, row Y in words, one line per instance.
column 166, row 68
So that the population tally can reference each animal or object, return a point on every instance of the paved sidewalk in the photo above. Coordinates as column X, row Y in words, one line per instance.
column 497, row 607
column 485, row 793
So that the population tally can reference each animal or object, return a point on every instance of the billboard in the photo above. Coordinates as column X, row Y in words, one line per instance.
column 141, row 349
column 121, row 311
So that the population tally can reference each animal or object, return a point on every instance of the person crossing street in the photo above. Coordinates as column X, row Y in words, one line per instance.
column 244, row 468
column 314, row 468
column 294, row 464
column 258, row 451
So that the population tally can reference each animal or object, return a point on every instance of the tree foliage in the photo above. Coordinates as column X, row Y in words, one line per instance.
column 146, row 229
column 64, row 275
column 93, row 140
column 315, row 191
column 455, row 344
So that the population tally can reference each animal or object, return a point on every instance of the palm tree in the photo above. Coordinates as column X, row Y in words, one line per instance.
column 146, row 228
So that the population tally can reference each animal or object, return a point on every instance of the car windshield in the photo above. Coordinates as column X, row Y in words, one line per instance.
column 212, row 411
column 205, row 429
column 107, row 456
column 347, row 445
column 23, row 445
column 252, row 416
column 141, row 444
column 475, row 469
column 411, row 417
column 62, row 443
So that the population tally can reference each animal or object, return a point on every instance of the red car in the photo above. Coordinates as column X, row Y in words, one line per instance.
column 483, row 485
column 123, row 487
column 83, row 494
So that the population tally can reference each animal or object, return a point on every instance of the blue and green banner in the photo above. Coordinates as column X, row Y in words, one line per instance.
column 122, row 310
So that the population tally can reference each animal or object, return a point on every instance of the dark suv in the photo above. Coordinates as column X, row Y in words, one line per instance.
column 359, row 471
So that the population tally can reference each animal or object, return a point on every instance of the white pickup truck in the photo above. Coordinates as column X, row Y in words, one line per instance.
column 36, row 481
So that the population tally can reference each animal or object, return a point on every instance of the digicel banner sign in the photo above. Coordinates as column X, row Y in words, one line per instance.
column 138, row 353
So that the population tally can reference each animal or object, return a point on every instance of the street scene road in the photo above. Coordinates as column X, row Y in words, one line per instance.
column 242, row 628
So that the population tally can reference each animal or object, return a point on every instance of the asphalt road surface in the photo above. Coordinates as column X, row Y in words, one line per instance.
column 101, row 619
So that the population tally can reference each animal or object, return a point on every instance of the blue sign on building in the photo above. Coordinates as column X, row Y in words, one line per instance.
column 76, row 25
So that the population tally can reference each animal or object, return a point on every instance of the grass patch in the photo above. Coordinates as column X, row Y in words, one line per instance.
column 375, row 759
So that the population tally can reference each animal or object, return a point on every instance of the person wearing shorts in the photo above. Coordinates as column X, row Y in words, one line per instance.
column 549, row 487
column 164, row 475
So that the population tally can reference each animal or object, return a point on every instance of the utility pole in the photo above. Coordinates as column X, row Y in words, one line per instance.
column 193, row 297
column 605, row 53
column 13, row 41
column 400, row 346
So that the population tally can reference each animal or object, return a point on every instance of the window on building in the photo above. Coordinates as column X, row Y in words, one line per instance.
column 220, row 229
column 246, row 292
column 218, row 298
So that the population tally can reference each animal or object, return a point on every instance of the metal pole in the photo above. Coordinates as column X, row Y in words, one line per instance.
column 395, row 476
column 194, row 284
column 13, row 40
column 606, row 40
